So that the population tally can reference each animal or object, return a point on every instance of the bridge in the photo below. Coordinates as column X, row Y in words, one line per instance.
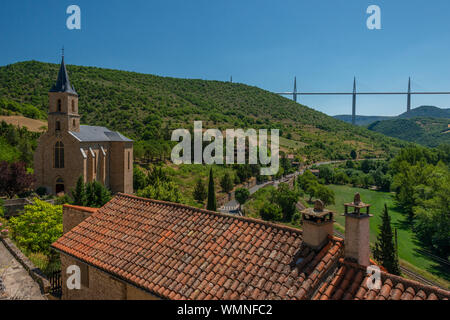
column 354, row 93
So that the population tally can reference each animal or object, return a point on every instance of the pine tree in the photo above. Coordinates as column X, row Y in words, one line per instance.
column 79, row 194
column 90, row 195
column 385, row 251
column 200, row 193
column 212, row 204
column 226, row 183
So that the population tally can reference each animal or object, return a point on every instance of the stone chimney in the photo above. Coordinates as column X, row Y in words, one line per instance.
column 317, row 225
column 357, row 232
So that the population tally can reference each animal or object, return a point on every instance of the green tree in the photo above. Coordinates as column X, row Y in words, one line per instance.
column 212, row 204
column 353, row 154
column 102, row 194
column 226, row 183
column 241, row 195
column 139, row 178
column 385, row 251
column 286, row 199
column 38, row 226
column 270, row 212
column 162, row 190
column 325, row 194
column 79, row 194
column 200, row 192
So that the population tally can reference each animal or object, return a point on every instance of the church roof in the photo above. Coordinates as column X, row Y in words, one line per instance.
column 62, row 82
column 94, row 133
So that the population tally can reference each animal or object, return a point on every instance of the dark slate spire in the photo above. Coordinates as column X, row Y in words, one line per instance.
column 62, row 82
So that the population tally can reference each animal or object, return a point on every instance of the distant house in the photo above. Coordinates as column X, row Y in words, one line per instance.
column 69, row 150
column 135, row 248
column 315, row 172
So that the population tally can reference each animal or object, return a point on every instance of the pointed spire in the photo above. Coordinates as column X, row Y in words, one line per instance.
column 62, row 82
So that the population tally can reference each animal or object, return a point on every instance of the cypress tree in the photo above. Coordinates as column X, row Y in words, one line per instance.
column 226, row 183
column 200, row 193
column 79, row 194
column 385, row 250
column 212, row 204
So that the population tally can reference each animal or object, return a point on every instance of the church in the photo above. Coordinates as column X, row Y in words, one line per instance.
column 69, row 150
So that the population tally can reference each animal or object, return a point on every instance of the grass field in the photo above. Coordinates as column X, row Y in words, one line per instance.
column 409, row 248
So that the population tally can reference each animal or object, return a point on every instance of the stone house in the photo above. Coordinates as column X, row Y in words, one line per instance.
column 69, row 150
column 136, row 248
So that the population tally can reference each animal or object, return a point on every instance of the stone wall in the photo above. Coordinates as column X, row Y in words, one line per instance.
column 100, row 285
column 73, row 215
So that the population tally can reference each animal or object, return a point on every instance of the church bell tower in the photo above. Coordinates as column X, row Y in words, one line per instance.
column 63, row 104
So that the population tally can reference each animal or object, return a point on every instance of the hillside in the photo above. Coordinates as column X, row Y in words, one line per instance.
column 426, row 111
column 361, row 120
column 422, row 111
column 144, row 106
column 426, row 131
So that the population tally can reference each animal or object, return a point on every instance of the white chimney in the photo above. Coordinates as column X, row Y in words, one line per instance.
column 357, row 232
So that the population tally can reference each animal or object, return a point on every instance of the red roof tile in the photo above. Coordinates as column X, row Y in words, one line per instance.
column 348, row 282
column 180, row 252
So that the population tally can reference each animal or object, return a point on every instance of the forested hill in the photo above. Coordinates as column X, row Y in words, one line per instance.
column 429, row 132
column 143, row 106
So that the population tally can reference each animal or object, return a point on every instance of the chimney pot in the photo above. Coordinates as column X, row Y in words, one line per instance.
column 317, row 225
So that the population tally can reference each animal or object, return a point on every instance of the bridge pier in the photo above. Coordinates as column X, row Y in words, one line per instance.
column 354, row 102
column 408, row 99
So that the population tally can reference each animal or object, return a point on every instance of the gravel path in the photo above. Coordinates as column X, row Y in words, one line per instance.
column 15, row 282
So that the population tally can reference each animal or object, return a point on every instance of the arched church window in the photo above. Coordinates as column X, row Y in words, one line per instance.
column 58, row 125
column 59, row 105
column 74, row 122
column 73, row 105
column 59, row 155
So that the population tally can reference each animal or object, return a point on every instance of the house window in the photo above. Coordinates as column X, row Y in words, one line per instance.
column 59, row 155
column 58, row 126
column 59, row 105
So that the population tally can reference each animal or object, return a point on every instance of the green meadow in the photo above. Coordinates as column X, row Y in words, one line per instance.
column 410, row 250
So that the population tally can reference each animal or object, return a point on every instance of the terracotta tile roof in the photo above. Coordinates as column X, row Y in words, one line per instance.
column 180, row 252
column 348, row 282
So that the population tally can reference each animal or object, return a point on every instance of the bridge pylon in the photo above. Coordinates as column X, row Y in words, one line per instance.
column 354, row 102
column 408, row 99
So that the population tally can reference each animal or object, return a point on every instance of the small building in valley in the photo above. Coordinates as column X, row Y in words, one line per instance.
column 69, row 150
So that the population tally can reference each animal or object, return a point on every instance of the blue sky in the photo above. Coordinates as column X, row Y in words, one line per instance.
column 259, row 42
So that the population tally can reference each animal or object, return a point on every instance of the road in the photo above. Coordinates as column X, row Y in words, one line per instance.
column 232, row 207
